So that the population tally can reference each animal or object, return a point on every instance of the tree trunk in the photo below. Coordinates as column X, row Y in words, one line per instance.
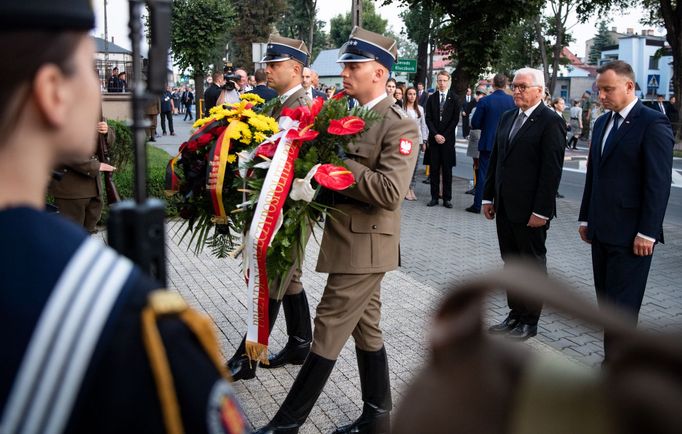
column 422, row 62
column 461, row 79
column 542, row 47
column 672, row 18
column 198, row 90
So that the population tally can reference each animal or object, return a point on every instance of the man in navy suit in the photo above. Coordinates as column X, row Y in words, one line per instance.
column 307, row 82
column 521, row 186
column 485, row 118
column 422, row 94
column 442, row 116
column 261, row 89
column 627, row 186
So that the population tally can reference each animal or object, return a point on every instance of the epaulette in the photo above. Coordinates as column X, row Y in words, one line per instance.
column 399, row 111
column 161, row 303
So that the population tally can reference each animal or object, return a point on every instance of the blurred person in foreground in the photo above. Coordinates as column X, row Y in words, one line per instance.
column 75, row 359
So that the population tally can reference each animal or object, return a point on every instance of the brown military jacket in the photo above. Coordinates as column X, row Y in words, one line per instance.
column 81, row 179
column 363, row 236
column 297, row 99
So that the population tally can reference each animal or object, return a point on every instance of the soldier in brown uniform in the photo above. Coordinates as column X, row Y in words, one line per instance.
column 78, row 194
column 360, row 244
column 285, row 59
column 151, row 112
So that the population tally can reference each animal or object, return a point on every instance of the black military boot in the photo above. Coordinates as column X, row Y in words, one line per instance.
column 297, row 317
column 376, row 394
column 239, row 365
column 302, row 397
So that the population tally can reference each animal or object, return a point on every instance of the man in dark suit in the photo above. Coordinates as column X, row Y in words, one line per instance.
column 213, row 92
column 307, row 83
column 521, row 187
column 627, row 186
column 661, row 106
column 467, row 106
column 422, row 94
column 487, row 116
column 442, row 115
column 261, row 89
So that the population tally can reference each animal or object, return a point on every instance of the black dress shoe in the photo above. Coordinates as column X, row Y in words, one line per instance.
column 433, row 202
column 241, row 368
column 447, row 204
column 426, row 181
column 473, row 210
column 559, row 195
column 505, row 326
column 523, row 331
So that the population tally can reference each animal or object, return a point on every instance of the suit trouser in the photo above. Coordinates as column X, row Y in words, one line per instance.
column 169, row 116
column 518, row 241
column 350, row 305
column 85, row 212
column 482, row 172
column 442, row 158
column 620, row 277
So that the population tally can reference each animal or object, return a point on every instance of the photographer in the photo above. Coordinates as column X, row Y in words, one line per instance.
column 231, row 86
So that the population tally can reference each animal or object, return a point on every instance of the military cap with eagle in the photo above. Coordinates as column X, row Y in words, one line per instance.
column 50, row 15
column 365, row 46
column 281, row 49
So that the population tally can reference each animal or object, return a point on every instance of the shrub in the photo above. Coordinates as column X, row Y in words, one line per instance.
column 121, row 151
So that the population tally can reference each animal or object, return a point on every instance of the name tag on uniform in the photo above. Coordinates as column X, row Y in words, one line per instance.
column 405, row 146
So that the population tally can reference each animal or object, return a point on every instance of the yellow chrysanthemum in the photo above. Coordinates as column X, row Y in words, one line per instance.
column 252, row 97
column 259, row 137
column 200, row 122
column 231, row 158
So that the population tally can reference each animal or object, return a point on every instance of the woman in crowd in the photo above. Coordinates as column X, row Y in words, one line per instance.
column 399, row 95
column 416, row 112
column 596, row 111
column 576, row 124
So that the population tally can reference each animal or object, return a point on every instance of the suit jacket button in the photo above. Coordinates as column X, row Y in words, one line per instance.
column 374, row 226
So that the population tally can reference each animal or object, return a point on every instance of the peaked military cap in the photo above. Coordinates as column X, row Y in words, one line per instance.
column 365, row 46
column 46, row 15
column 281, row 49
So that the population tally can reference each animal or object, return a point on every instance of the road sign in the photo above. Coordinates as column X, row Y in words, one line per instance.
column 405, row 65
column 653, row 80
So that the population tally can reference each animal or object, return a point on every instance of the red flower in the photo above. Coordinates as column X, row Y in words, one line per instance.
column 266, row 150
column 339, row 95
column 346, row 126
column 303, row 134
column 200, row 142
column 334, row 177
column 303, row 114
column 316, row 106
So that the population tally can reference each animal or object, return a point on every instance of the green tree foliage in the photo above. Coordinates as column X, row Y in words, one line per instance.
column 198, row 28
column 517, row 48
column 422, row 22
column 297, row 22
column 252, row 23
column 341, row 25
column 601, row 40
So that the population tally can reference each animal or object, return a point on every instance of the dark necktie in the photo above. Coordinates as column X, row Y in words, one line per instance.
column 517, row 126
column 442, row 104
column 612, row 133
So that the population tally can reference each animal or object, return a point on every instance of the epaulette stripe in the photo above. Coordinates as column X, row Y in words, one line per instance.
column 91, row 330
column 65, row 337
column 35, row 355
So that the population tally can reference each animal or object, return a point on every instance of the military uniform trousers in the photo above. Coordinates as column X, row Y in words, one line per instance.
column 350, row 305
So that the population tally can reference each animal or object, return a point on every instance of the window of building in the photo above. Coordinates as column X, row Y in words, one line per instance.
column 653, row 62
column 564, row 91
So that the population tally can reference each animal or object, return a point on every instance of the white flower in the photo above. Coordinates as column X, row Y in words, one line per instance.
column 301, row 188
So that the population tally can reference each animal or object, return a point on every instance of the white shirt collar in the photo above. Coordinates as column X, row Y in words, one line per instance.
column 290, row 92
column 626, row 111
column 530, row 110
column 370, row 105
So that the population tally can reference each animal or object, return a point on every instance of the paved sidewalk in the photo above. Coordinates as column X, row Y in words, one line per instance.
column 440, row 248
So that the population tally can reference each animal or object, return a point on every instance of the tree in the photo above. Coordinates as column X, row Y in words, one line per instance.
column 518, row 47
column 252, row 24
column 601, row 40
column 299, row 22
column 341, row 25
column 555, row 27
column 198, row 29
column 422, row 22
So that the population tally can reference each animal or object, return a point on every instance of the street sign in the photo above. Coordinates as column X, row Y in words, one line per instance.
column 405, row 65
column 653, row 80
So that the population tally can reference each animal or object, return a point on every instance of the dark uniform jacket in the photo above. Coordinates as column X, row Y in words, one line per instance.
column 363, row 236
column 80, row 180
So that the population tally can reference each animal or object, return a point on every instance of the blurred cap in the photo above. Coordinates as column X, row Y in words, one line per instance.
column 46, row 15
column 365, row 46
column 281, row 49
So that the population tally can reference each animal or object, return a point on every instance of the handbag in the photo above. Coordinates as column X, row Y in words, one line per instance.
column 476, row 383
